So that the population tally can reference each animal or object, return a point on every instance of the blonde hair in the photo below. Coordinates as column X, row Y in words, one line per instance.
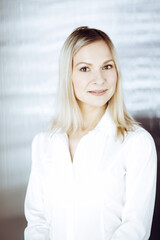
column 68, row 116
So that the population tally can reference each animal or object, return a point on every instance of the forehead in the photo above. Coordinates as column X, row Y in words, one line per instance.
column 98, row 50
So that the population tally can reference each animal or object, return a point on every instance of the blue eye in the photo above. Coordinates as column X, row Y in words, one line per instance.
column 108, row 66
column 84, row 69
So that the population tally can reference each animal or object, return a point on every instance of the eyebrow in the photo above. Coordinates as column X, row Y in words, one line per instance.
column 110, row 60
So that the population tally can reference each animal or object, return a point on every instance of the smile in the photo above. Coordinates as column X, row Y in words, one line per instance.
column 98, row 92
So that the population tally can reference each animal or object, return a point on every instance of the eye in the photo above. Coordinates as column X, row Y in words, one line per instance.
column 84, row 69
column 108, row 66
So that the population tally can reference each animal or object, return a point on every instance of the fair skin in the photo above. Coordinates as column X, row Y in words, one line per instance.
column 94, row 78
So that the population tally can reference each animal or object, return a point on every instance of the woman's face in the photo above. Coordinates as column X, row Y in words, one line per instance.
column 94, row 75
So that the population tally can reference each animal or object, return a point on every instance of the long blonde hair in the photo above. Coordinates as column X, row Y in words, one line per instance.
column 69, row 116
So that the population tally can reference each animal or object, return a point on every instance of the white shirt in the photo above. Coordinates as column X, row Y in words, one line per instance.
column 107, row 193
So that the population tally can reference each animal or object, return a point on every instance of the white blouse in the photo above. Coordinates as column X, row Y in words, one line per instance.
column 107, row 193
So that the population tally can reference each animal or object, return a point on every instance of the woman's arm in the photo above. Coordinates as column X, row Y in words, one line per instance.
column 37, row 228
column 140, row 189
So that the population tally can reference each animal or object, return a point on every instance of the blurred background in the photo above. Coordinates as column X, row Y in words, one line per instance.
column 31, row 35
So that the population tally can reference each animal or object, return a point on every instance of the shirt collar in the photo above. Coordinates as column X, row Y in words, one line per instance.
column 106, row 124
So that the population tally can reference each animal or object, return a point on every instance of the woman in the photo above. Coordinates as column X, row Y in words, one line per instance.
column 94, row 175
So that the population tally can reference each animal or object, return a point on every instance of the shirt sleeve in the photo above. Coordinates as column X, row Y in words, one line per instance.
column 37, row 227
column 141, row 171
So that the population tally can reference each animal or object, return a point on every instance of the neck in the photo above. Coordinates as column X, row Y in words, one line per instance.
column 91, row 116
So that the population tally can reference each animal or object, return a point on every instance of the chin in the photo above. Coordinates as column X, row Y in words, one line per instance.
column 98, row 105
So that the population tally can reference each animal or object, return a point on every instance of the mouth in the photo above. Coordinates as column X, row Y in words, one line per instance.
column 98, row 92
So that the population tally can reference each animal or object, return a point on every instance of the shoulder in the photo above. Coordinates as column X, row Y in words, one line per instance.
column 40, row 140
column 140, row 145
column 44, row 144
column 139, row 136
column 44, row 138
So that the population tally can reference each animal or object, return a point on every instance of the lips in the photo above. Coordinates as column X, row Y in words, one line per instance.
column 98, row 92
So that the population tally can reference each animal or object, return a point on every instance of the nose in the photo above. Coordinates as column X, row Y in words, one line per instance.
column 99, row 77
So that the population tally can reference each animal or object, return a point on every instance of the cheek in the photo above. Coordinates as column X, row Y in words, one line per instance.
column 112, row 80
column 77, row 86
column 79, row 83
column 115, row 83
